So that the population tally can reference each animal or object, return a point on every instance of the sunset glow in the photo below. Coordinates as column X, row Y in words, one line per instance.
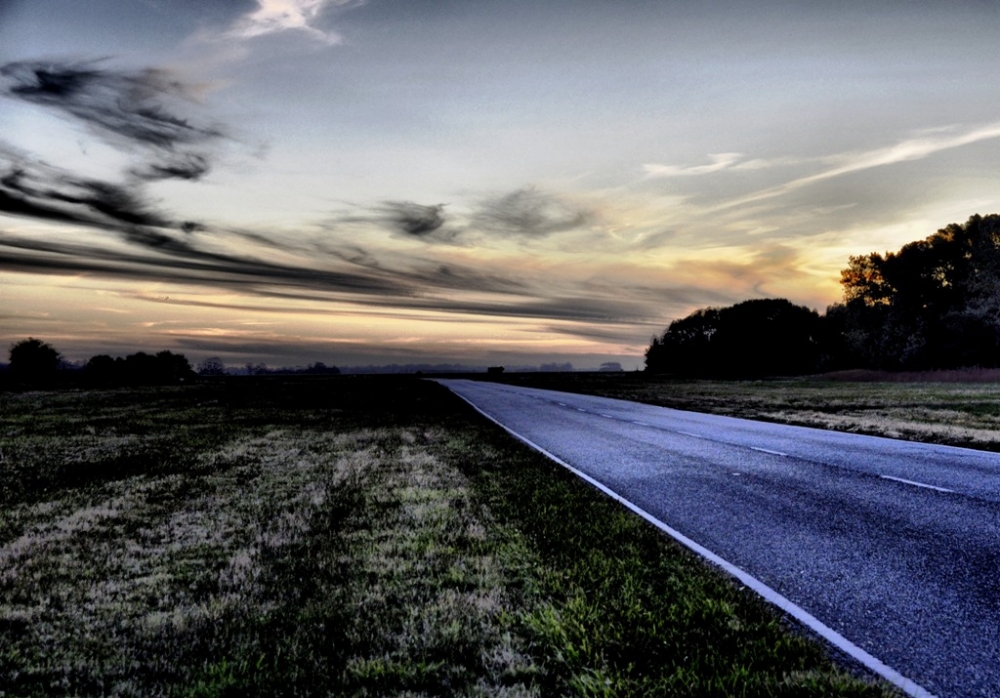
column 375, row 181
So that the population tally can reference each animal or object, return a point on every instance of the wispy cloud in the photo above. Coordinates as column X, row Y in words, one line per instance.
column 522, row 214
column 529, row 212
column 908, row 150
column 140, row 113
column 415, row 220
column 719, row 162
column 274, row 16
column 116, row 104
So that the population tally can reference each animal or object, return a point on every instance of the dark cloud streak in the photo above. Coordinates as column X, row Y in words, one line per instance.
column 530, row 213
column 189, row 166
column 132, row 111
column 136, row 112
column 414, row 219
column 117, row 104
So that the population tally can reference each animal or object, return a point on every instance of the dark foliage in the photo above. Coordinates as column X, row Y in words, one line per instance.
column 934, row 304
column 321, row 369
column 33, row 361
column 755, row 338
column 163, row 368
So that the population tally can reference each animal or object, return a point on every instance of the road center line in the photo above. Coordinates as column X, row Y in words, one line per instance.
column 767, row 450
column 917, row 484
column 694, row 436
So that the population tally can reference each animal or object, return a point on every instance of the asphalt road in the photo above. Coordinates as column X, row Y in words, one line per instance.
column 894, row 545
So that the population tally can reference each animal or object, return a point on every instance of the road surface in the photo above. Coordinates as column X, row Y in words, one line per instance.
column 894, row 545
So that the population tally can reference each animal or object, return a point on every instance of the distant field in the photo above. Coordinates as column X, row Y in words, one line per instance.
column 346, row 536
column 955, row 408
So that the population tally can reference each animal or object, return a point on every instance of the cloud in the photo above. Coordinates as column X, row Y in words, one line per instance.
column 405, row 219
column 189, row 166
column 161, row 248
column 49, row 194
column 415, row 220
column 274, row 16
column 125, row 109
column 720, row 161
column 116, row 104
column 523, row 213
column 530, row 213
column 908, row 150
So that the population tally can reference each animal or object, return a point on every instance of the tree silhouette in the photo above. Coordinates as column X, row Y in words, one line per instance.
column 33, row 361
column 102, row 370
column 933, row 304
column 212, row 366
column 165, row 368
column 762, row 337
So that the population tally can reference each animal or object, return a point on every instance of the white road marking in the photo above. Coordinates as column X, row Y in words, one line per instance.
column 580, row 409
column 561, row 404
column 908, row 686
column 767, row 450
column 607, row 416
column 917, row 484
column 639, row 424
column 695, row 436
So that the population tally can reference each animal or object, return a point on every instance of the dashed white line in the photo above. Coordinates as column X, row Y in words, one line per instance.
column 695, row 436
column 917, row 484
column 767, row 450
column 639, row 424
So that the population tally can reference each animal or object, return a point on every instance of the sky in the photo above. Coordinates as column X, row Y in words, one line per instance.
column 515, row 182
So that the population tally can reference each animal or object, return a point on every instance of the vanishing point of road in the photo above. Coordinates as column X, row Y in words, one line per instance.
column 893, row 545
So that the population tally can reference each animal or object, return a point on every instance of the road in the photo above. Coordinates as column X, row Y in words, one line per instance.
column 894, row 545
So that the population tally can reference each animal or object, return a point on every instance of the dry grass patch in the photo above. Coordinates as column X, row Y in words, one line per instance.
column 344, row 537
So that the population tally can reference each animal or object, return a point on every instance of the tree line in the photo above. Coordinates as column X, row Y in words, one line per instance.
column 37, row 363
column 934, row 304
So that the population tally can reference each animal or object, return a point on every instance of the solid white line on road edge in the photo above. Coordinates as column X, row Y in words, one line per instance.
column 917, row 484
column 908, row 686
column 767, row 450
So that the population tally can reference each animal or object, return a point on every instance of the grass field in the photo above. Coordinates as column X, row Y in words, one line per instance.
column 934, row 408
column 346, row 536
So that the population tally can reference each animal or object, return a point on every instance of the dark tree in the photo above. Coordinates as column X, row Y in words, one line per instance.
column 33, row 361
column 165, row 368
column 102, row 370
column 173, row 368
column 212, row 366
column 321, row 369
column 933, row 304
column 685, row 348
column 755, row 338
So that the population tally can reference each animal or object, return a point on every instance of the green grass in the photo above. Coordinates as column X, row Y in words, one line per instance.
column 346, row 536
column 953, row 413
